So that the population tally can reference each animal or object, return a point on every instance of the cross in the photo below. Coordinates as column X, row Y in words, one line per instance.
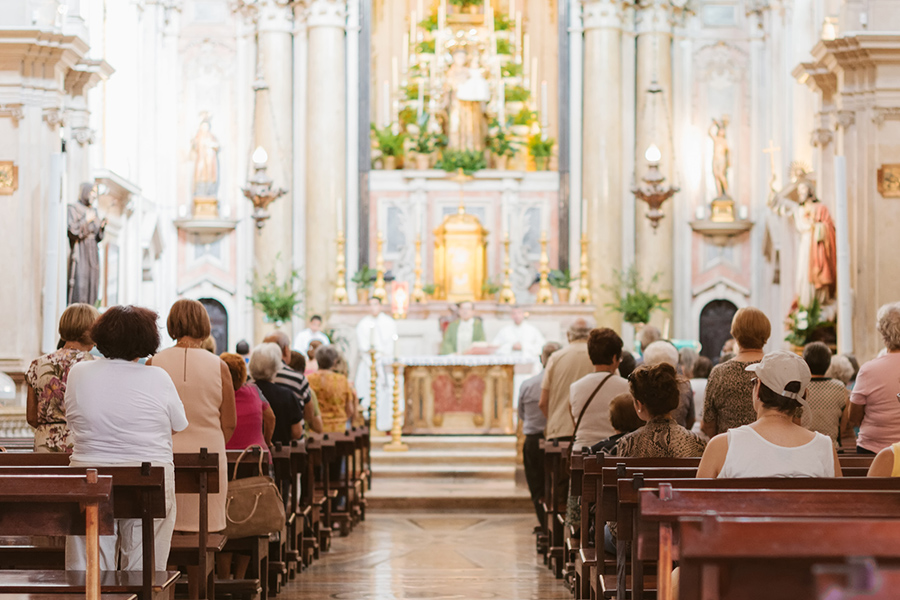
column 771, row 150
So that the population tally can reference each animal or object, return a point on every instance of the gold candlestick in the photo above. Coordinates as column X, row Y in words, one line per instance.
column 379, row 291
column 418, row 294
column 340, row 289
column 584, row 284
column 544, row 295
column 373, row 394
column 506, row 294
column 396, row 444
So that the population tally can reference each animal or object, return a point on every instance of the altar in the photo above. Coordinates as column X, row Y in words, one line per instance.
column 461, row 394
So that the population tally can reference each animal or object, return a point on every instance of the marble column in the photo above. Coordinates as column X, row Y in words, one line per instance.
column 654, row 252
column 602, row 147
column 326, row 145
column 273, row 133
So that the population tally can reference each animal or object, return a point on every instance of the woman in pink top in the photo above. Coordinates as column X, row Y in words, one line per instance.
column 255, row 419
column 874, row 401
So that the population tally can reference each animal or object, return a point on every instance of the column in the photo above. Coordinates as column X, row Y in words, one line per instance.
column 273, row 127
column 654, row 252
column 602, row 147
column 326, row 145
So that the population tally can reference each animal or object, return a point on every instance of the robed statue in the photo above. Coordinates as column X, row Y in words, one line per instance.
column 85, row 230
column 721, row 156
column 466, row 91
column 205, row 152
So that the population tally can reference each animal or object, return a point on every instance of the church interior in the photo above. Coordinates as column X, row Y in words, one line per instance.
column 424, row 235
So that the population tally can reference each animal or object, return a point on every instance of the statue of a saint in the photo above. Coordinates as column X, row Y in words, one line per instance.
column 85, row 230
column 466, row 90
column 817, row 250
column 205, row 152
column 721, row 156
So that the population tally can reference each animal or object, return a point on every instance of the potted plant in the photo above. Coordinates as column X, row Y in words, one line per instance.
column 489, row 288
column 466, row 6
column 429, row 23
column 632, row 300
column 429, row 289
column 468, row 160
column 501, row 22
column 390, row 141
column 501, row 144
column 805, row 325
column 364, row 280
column 541, row 150
column 516, row 93
column 511, row 69
column 561, row 279
column 277, row 301
column 425, row 143
column 426, row 46
column 522, row 120
column 503, row 47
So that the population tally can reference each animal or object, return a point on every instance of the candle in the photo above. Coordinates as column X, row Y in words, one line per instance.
column 545, row 115
column 487, row 7
column 518, row 34
column 512, row 7
column 534, row 78
column 489, row 17
column 413, row 24
column 395, row 73
column 405, row 56
column 501, row 112
column 396, row 347
column 743, row 213
column 524, row 52
column 442, row 15
column 420, row 105
column 386, row 104
column 419, row 9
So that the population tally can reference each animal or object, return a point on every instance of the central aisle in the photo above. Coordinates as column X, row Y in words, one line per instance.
column 433, row 556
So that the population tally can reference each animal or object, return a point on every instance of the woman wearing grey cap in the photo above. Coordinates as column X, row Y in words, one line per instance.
column 775, row 445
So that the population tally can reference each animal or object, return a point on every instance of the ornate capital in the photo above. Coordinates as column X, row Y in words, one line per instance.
column 885, row 113
column 84, row 135
column 13, row 111
column 602, row 14
column 326, row 13
column 654, row 16
column 54, row 116
column 821, row 136
column 846, row 119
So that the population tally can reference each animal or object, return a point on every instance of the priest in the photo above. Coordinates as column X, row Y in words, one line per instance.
column 376, row 330
column 463, row 332
column 519, row 336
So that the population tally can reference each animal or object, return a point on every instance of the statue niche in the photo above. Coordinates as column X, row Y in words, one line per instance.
column 205, row 154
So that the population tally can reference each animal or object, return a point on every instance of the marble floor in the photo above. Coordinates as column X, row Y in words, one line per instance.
column 432, row 556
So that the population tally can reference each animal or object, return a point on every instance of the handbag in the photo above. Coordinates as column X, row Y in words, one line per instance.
column 254, row 505
column 581, row 416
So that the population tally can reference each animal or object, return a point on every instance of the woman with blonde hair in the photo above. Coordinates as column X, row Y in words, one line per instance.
column 46, row 379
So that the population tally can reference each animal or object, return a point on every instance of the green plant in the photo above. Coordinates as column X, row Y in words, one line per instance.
column 631, row 299
column 429, row 23
column 427, row 142
column 490, row 288
column 277, row 301
column 540, row 148
column 465, row 3
column 503, row 46
column 524, row 117
column 804, row 323
column 365, row 277
column 511, row 69
column 516, row 93
column 501, row 22
column 411, row 92
column 407, row 116
column 429, row 289
column 499, row 141
column 390, row 143
column 425, row 47
column 468, row 160
column 560, row 278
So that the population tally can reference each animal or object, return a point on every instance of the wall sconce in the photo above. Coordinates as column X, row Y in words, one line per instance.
column 653, row 192
column 259, row 188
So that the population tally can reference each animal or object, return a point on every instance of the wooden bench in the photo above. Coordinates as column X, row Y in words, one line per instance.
column 556, row 494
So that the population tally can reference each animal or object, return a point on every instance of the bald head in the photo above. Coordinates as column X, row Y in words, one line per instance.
column 580, row 329
column 283, row 341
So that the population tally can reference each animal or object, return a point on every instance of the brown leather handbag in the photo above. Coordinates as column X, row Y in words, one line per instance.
column 254, row 505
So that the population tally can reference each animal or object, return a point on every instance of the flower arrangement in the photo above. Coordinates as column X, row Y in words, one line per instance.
column 503, row 46
column 490, row 288
column 516, row 93
column 524, row 117
column 501, row 22
column 389, row 142
column 277, row 301
column 465, row 3
column 427, row 142
column 426, row 46
column 411, row 92
column 633, row 301
column 511, row 69
column 499, row 141
column 407, row 117
column 468, row 160
column 365, row 277
column 541, row 150
column 429, row 23
column 805, row 324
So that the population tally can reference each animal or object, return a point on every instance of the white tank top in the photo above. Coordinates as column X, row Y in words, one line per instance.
column 751, row 455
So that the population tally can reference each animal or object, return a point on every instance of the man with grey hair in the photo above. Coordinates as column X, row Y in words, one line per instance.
column 533, row 424
column 564, row 368
column 291, row 379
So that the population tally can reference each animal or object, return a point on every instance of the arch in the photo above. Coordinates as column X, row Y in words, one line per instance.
column 218, row 321
column 715, row 326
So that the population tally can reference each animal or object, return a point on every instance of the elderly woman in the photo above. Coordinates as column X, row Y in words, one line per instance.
column 204, row 384
column 337, row 401
column 664, row 352
column 773, row 445
column 47, row 375
column 874, row 400
column 121, row 413
column 729, row 392
column 265, row 361
column 255, row 419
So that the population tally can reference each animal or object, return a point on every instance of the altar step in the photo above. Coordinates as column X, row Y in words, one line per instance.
column 448, row 473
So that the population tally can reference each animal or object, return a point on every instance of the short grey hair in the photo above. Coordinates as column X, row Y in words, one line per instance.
column 280, row 338
column 265, row 362
column 548, row 349
column 649, row 334
column 841, row 369
column 661, row 352
column 889, row 325
column 687, row 358
column 580, row 329
column 327, row 357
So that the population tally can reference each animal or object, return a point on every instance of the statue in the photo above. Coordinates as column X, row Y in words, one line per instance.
column 205, row 152
column 721, row 156
column 85, row 230
column 465, row 89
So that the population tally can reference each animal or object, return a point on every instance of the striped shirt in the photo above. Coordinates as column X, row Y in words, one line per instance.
column 296, row 382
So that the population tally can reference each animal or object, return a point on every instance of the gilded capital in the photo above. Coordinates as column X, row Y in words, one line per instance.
column 603, row 14
column 326, row 13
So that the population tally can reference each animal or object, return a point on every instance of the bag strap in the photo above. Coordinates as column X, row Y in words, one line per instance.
column 584, row 410
column 237, row 463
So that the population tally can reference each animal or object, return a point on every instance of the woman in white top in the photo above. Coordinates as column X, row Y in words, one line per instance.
column 774, row 445
column 121, row 413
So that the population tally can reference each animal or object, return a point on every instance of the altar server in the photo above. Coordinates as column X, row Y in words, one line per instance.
column 376, row 330
column 312, row 332
column 463, row 332
column 519, row 336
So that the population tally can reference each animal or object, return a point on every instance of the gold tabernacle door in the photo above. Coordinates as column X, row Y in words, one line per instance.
column 460, row 257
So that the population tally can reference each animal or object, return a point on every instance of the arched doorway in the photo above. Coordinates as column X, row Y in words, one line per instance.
column 715, row 327
column 218, row 321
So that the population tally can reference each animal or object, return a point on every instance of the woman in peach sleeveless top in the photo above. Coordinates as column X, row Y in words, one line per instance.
column 204, row 384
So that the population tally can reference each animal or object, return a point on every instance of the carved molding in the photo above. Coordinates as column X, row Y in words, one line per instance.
column 656, row 16
column 84, row 135
column 54, row 116
column 13, row 111
column 846, row 119
column 885, row 113
column 602, row 14
column 821, row 136
column 326, row 13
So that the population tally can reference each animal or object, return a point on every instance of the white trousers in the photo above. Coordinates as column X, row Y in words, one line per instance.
column 123, row 551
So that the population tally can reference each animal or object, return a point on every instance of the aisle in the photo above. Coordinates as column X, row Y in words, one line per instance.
column 434, row 556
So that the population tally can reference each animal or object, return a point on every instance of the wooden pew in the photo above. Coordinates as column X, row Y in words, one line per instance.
column 737, row 558
column 666, row 505
column 554, row 505
column 283, row 555
column 857, row 579
column 321, row 450
column 308, row 518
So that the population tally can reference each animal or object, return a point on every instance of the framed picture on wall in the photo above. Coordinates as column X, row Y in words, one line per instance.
column 889, row 181
column 9, row 177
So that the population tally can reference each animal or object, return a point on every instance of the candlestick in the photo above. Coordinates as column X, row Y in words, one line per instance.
column 373, row 388
column 396, row 444
column 545, row 294
column 584, row 285
column 418, row 294
column 507, row 296
column 379, row 291
column 340, row 288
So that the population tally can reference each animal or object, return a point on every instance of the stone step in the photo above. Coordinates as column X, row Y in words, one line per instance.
column 443, row 457
column 445, row 493
column 452, row 442
column 455, row 471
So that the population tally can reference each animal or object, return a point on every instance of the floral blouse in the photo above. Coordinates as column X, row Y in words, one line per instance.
column 333, row 391
column 48, row 375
